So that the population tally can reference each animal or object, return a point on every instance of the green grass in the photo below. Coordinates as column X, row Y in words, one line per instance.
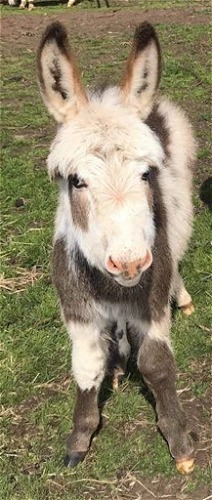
column 37, row 391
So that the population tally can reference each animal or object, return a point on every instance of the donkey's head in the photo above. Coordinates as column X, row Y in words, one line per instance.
column 104, row 153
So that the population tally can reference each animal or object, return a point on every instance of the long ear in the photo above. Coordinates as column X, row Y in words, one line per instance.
column 142, row 73
column 58, row 75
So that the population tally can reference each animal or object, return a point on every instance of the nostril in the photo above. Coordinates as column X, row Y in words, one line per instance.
column 113, row 266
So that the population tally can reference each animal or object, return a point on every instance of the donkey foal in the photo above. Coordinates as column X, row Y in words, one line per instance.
column 122, row 158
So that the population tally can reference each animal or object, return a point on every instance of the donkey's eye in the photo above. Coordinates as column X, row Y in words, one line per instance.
column 145, row 175
column 75, row 181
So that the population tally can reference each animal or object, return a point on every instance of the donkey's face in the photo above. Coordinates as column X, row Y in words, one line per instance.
column 105, row 154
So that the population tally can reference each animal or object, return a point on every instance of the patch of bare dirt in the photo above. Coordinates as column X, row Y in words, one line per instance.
column 21, row 30
column 24, row 277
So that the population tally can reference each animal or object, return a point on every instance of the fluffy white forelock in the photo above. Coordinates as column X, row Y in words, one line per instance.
column 103, row 128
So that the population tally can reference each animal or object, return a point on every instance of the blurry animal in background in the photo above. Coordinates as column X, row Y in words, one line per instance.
column 30, row 3
column 23, row 4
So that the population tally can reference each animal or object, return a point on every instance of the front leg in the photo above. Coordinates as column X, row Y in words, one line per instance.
column 156, row 363
column 89, row 360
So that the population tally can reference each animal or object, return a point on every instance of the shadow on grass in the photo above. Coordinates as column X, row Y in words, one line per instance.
column 205, row 192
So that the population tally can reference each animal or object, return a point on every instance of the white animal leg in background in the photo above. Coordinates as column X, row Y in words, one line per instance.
column 89, row 359
column 183, row 298
column 31, row 4
column 70, row 3
column 23, row 4
column 13, row 3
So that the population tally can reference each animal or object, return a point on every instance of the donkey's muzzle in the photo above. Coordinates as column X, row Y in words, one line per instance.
column 128, row 270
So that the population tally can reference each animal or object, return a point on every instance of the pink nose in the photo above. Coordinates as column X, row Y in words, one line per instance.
column 129, row 269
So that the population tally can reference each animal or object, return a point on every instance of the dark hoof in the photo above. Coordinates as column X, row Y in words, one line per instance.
column 72, row 459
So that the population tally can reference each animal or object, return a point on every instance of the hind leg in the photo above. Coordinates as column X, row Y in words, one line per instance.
column 182, row 297
column 123, row 353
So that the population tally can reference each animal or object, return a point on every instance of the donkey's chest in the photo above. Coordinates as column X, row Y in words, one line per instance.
column 114, row 301
column 122, row 315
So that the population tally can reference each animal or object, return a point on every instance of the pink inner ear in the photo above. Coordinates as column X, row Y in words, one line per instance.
column 142, row 73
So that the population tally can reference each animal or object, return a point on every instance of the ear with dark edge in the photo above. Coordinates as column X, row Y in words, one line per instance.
column 142, row 74
column 58, row 75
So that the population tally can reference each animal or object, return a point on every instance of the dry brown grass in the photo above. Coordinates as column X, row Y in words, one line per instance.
column 23, row 279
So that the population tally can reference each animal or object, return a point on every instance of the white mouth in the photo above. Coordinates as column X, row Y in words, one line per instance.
column 128, row 282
